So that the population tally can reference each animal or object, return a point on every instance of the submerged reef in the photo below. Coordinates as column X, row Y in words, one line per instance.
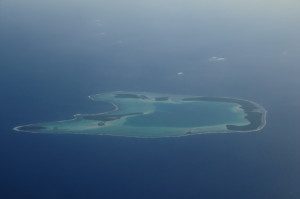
column 153, row 115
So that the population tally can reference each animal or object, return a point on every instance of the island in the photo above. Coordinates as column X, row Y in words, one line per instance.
column 154, row 115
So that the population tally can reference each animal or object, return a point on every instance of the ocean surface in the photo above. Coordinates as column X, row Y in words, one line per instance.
column 53, row 54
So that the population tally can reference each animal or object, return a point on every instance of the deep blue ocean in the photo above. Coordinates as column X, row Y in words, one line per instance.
column 53, row 54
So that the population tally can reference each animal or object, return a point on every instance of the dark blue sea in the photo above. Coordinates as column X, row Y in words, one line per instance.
column 53, row 54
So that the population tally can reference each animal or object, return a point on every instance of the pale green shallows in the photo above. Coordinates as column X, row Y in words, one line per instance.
column 151, row 115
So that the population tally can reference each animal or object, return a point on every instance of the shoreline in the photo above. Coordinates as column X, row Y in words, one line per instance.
column 258, row 108
column 140, row 137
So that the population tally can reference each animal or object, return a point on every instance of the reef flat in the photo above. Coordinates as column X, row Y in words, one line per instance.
column 153, row 115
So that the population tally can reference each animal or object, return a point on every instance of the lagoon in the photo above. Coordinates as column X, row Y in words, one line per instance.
column 154, row 115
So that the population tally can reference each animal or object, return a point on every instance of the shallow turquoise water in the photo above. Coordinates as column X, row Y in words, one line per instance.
column 142, row 115
column 188, row 115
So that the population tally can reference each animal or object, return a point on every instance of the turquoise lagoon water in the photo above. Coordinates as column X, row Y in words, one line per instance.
column 191, row 114
column 150, row 115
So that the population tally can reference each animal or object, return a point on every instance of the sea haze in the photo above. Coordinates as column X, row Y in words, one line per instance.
column 54, row 54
